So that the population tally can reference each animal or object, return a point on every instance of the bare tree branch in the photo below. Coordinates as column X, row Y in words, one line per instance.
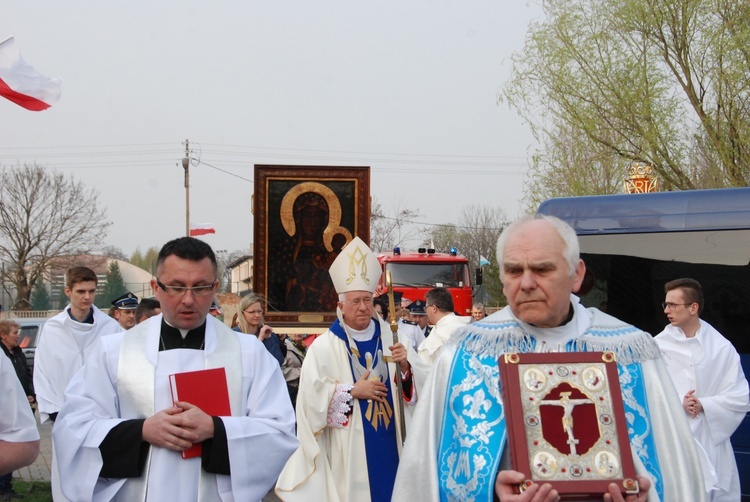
column 44, row 215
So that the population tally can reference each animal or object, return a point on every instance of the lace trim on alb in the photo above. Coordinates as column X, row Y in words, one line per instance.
column 340, row 407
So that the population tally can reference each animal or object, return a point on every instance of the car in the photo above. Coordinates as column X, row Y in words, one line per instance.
column 29, row 332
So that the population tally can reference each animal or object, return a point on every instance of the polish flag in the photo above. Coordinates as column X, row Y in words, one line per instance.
column 197, row 229
column 22, row 84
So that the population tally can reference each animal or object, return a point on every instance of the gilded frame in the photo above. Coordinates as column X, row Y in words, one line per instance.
column 304, row 216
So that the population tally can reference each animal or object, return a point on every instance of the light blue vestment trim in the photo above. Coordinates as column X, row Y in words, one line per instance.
column 473, row 433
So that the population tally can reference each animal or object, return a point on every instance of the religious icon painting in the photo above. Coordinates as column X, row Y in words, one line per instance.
column 566, row 422
column 304, row 217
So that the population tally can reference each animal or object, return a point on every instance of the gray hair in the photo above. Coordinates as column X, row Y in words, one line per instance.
column 571, row 248
column 342, row 296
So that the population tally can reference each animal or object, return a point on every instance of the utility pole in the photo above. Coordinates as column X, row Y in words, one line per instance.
column 186, row 167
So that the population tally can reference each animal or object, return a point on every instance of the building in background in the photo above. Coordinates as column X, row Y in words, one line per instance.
column 241, row 280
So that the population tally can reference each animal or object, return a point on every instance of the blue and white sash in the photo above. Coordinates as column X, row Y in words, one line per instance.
column 473, row 433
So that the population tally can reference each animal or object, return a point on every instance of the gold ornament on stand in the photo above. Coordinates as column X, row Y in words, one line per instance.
column 641, row 179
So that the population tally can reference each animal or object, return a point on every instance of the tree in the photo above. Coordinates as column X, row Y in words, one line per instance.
column 576, row 171
column 43, row 215
column 114, row 288
column 389, row 231
column 664, row 82
column 137, row 257
column 147, row 260
column 223, row 259
column 113, row 252
column 444, row 237
column 62, row 299
column 475, row 237
column 40, row 298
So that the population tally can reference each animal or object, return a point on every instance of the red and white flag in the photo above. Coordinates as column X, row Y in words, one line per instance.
column 22, row 84
column 201, row 229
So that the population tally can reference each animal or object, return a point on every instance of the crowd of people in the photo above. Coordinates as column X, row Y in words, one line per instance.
column 360, row 414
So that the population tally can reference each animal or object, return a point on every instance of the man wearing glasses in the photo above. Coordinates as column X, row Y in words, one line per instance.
column 121, row 436
column 707, row 374
column 440, row 314
column 348, row 403
column 457, row 447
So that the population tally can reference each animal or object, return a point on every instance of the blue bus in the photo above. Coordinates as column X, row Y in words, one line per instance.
column 634, row 243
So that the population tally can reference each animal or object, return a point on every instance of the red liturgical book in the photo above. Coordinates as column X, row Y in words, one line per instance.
column 206, row 389
column 566, row 422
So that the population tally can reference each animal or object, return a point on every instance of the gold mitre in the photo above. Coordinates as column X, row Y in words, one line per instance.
column 355, row 268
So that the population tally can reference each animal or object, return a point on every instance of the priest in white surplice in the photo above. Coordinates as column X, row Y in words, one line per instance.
column 66, row 341
column 457, row 445
column 706, row 371
column 440, row 312
column 348, row 405
column 119, row 436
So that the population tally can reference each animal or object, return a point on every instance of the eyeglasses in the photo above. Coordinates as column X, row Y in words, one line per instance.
column 181, row 290
column 359, row 301
column 671, row 306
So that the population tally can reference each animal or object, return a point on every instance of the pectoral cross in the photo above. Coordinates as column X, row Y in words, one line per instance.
column 567, row 419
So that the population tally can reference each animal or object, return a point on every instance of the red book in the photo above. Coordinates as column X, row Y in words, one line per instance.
column 206, row 389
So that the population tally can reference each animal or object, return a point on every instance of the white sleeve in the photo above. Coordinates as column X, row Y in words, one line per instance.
column 90, row 411
column 17, row 424
column 261, row 441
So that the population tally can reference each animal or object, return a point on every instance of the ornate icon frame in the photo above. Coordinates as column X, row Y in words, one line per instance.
column 348, row 186
column 543, row 441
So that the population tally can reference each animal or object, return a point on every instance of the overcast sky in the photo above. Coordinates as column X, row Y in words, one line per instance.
column 408, row 88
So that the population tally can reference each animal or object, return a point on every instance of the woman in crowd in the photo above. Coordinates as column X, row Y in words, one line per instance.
column 251, row 322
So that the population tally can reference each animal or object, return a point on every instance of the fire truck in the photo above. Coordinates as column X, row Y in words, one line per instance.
column 413, row 274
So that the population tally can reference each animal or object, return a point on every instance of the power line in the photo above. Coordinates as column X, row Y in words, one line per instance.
column 153, row 155
column 358, row 152
column 503, row 224
column 253, row 150
column 223, row 171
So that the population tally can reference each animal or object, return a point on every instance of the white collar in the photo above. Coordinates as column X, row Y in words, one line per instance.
column 554, row 339
column 364, row 335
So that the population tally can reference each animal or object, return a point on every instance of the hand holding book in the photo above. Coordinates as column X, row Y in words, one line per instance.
column 200, row 395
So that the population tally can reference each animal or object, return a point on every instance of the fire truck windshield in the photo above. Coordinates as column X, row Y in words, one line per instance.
column 449, row 275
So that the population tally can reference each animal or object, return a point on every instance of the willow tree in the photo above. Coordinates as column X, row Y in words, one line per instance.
column 44, row 215
column 605, row 84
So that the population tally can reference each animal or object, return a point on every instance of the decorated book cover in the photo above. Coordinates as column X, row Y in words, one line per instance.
column 566, row 422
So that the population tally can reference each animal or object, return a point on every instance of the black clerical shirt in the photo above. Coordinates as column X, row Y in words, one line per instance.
column 171, row 338
column 123, row 450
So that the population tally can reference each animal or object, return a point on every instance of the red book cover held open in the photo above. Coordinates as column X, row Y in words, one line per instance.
column 206, row 389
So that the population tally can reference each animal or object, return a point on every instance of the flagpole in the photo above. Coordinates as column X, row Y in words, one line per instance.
column 186, row 167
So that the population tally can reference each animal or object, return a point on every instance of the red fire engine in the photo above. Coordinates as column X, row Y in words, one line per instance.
column 415, row 273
